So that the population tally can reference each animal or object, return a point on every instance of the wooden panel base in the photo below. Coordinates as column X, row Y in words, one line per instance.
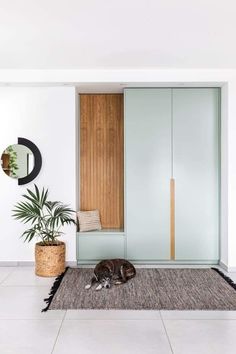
column 102, row 157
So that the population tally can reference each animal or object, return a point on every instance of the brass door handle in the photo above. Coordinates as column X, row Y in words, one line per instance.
column 172, row 219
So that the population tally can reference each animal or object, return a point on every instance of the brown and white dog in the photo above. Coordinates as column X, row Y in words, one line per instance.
column 111, row 271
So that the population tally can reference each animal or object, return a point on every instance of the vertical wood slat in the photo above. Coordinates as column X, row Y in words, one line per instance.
column 102, row 157
column 172, row 219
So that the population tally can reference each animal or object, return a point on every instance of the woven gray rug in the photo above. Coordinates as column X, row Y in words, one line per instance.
column 151, row 289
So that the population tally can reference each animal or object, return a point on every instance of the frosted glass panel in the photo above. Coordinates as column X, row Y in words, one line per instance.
column 195, row 146
column 148, row 171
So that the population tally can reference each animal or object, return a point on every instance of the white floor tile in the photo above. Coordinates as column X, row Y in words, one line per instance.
column 113, row 337
column 201, row 336
column 112, row 315
column 232, row 276
column 25, row 276
column 25, row 303
column 5, row 272
column 198, row 315
column 28, row 336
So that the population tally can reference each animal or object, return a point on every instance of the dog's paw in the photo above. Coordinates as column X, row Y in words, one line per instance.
column 118, row 282
column 99, row 287
column 87, row 286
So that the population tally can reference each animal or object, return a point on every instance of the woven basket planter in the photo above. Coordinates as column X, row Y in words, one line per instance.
column 49, row 260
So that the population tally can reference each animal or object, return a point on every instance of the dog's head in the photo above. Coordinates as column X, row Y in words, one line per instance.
column 105, row 281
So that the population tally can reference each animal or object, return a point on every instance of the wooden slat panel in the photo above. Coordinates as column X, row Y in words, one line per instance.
column 102, row 157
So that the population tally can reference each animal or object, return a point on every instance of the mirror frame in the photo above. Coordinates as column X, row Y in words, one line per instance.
column 37, row 161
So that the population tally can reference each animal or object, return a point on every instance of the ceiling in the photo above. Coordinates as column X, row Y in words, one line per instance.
column 76, row 34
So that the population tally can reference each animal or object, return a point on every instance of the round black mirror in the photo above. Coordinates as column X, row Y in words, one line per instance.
column 21, row 161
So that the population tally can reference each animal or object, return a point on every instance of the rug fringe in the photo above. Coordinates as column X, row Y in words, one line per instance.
column 53, row 290
column 226, row 278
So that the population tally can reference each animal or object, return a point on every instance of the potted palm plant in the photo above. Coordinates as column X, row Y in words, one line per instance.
column 46, row 218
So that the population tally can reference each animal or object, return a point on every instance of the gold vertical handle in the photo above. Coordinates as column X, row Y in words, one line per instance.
column 172, row 219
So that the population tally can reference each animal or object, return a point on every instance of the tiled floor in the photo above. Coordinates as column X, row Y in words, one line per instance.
column 24, row 329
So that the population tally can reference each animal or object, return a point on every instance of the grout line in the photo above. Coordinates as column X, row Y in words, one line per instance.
column 149, row 319
column 30, row 319
column 166, row 333
column 113, row 319
column 11, row 272
column 199, row 319
column 24, row 286
column 58, row 333
column 116, row 319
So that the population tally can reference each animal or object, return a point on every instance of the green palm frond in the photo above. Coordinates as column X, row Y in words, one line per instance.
column 45, row 217
column 27, row 212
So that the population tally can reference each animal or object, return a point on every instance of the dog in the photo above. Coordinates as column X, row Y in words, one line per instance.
column 111, row 271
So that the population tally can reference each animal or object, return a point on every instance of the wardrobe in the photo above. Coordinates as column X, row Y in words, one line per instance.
column 170, row 197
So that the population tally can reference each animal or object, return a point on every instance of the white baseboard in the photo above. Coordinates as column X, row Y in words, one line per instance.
column 71, row 264
column 25, row 264
column 227, row 268
column 8, row 263
column 223, row 266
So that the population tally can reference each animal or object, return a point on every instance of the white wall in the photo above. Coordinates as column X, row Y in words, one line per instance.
column 45, row 115
column 117, row 34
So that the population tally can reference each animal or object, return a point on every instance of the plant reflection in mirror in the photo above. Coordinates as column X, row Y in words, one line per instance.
column 12, row 161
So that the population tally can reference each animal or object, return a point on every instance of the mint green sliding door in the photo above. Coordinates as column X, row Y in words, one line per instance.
column 172, row 133
column 148, row 171
column 195, row 170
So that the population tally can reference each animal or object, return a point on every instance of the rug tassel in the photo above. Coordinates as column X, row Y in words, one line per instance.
column 53, row 290
column 226, row 278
